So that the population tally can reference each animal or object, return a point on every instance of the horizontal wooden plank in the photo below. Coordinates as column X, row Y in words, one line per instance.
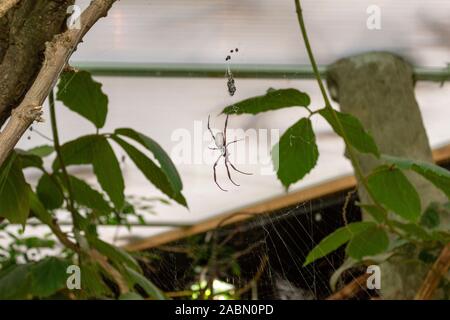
column 440, row 156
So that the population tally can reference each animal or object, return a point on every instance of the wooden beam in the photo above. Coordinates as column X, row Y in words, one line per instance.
column 440, row 155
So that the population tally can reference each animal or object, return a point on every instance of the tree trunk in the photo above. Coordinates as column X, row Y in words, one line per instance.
column 378, row 88
column 24, row 30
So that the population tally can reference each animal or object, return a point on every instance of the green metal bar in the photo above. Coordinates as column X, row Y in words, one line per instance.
column 245, row 71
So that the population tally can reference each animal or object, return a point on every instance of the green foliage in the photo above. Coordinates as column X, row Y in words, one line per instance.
column 391, row 188
column 37, row 279
column 296, row 154
column 138, row 279
column 166, row 164
column 81, row 94
column 14, row 202
column 351, row 129
column 272, row 100
column 368, row 242
column 151, row 171
column 88, row 197
column 336, row 239
column 88, row 207
column 435, row 174
column 49, row 192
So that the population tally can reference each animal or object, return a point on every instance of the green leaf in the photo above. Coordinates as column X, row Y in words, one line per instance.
column 296, row 154
column 92, row 284
column 349, row 127
column 413, row 230
column 430, row 218
column 48, row 276
column 272, row 100
column 35, row 242
column 376, row 212
column 151, row 171
column 49, row 192
column 108, row 172
column 96, row 150
column 86, row 196
column 369, row 242
column 81, row 94
column 78, row 151
column 14, row 200
column 131, row 296
column 15, row 282
column 138, row 279
column 438, row 176
column 41, row 151
column 38, row 209
column 391, row 188
column 336, row 239
column 119, row 256
column 166, row 164
column 28, row 160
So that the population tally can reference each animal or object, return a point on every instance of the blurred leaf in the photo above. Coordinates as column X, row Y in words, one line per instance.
column 131, row 296
column 151, row 171
column 430, row 218
column 92, row 284
column 15, row 282
column 438, row 176
column 48, row 276
column 336, row 239
column 352, row 129
column 35, row 242
column 138, row 279
column 85, row 195
column 81, row 94
column 368, row 242
column 296, row 154
column 272, row 100
column 38, row 209
column 119, row 256
column 166, row 164
column 41, row 151
column 413, row 230
column 391, row 188
column 49, row 192
column 14, row 200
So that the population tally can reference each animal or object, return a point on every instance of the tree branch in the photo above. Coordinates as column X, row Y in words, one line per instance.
column 6, row 5
column 351, row 289
column 57, row 54
column 437, row 271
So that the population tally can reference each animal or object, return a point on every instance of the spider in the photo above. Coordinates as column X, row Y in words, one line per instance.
column 220, row 140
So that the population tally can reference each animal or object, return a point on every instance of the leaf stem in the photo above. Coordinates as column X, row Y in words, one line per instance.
column 350, row 150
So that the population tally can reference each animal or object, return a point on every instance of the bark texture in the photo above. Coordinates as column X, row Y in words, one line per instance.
column 378, row 88
column 24, row 29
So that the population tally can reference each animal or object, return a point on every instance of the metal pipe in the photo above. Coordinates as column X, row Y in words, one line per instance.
column 245, row 71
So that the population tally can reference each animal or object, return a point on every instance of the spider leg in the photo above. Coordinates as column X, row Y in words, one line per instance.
column 249, row 174
column 229, row 174
column 225, row 130
column 215, row 176
column 209, row 129
column 234, row 141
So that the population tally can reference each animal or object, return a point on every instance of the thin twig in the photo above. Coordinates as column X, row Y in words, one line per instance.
column 57, row 53
column 351, row 289
column 434, row 276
